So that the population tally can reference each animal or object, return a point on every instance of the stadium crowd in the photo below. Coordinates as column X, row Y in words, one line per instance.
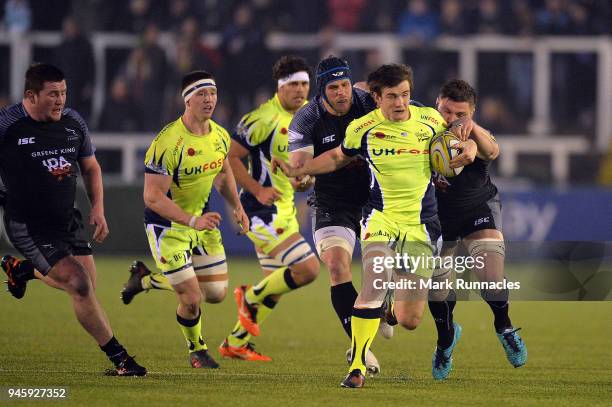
column 139, row 93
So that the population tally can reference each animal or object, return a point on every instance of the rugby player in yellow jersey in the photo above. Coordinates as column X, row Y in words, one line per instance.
column 183, row 162
column 400, row 216
column 285, row 257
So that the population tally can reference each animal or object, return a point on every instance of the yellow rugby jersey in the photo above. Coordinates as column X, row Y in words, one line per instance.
column 398, row 157
column 264, row 132
column 193, row 161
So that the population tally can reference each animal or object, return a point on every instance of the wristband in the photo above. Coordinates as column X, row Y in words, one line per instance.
column 192, row 221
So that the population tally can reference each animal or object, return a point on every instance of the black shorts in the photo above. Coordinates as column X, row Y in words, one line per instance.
column 45, row 247
column 484, row 216
column 325, row 216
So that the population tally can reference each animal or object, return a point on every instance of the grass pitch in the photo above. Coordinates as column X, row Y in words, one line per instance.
column 41, row 345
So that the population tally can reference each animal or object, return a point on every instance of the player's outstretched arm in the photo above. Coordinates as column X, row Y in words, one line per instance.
column 92, row 179
column 156, row 188
column 297, row 160
column 265, row 195
column 488, row 149
column 327, row 162
column 226, row 185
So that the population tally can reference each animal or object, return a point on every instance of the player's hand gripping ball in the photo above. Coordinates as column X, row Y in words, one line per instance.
column 441, row 153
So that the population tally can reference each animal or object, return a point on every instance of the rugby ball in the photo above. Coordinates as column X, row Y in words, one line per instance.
column 440, row 154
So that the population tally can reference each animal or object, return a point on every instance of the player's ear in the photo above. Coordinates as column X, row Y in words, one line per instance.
column 30, row 95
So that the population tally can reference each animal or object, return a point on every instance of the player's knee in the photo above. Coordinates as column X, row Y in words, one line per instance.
column 214, row 292
column 311, row 270
column 79, row 283
column 409, row 321
column 338, row 269
column 191, row 299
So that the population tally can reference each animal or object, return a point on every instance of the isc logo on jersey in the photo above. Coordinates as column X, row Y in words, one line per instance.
column 25, row 140
column 441, row 153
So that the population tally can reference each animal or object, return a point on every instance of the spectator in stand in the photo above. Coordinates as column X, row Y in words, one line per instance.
column 76, row 47
column 553, row 19
column 380, row 16
column 119, row 113
column 244, row 53
column 345, row 15
column 489, row 18
column 17, row 16
column 452, row 21
column 419, row 23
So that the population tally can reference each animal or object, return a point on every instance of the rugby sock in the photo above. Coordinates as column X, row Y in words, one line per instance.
column 343, row 298
column 442, row 312
column 239, row 335
column 192, row 330
column 500, row 312
column 364, row 326
column 114, row 351
column 156, row 281
column 498, row 302
column 279, row 282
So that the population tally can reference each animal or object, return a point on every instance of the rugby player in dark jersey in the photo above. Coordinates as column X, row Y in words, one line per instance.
column 43, row 147
column 470, row 211
column 339, row 196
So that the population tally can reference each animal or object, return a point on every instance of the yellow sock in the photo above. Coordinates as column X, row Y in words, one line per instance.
column 156, row 281
column 192, row 330
column 364, row 324
column 277, row 283
column 239, row 335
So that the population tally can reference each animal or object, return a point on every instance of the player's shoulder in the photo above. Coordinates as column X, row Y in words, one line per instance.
column 363, row 124
column 170, row 133
column 307, row 115
column 11, row 114
column 69, row 114
column 363, row 100
column 219, row 130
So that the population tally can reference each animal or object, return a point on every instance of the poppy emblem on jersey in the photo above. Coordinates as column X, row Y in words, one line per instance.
column 367, row 235
column 163, row 260
column 280, row 231
column 283, row 130
column 60, row 173
column 190, row 151
column 379, row 134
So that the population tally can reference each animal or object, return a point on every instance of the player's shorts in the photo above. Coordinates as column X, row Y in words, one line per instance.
column 45, row 247
column 173, row 248
column 335, row 227
column 268, row 230
column 485, row 216
column 420, row 240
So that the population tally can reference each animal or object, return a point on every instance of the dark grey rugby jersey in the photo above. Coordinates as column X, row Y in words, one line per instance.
column 313, row 127
column 39, row 165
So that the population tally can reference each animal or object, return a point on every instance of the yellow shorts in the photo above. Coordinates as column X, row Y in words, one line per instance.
column 418, row 240
column 269, row 230
column 172, row 248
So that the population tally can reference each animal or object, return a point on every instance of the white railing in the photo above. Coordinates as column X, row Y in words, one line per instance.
column 391, row 47
column 560, row 148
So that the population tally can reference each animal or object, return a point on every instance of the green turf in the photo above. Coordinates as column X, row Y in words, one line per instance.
column 41, row 345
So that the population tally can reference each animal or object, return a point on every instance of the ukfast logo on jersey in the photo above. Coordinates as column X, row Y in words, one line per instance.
column 58, row 167
column 430, row 119
column 363, row 125
column 26, row 140
column 398, row 151
column 329, row 139
column 204, row 167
